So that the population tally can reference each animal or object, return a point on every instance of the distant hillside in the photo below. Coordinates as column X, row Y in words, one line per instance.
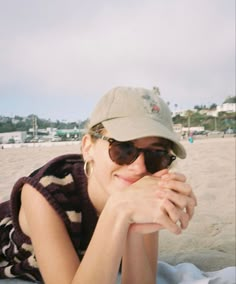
column 230, row 100
column 17, row 123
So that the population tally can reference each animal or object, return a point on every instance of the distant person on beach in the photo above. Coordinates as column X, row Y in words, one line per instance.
column 190, row 138
column 87, row 218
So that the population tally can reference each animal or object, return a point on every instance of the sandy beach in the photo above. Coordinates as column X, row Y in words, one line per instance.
column 209, row 241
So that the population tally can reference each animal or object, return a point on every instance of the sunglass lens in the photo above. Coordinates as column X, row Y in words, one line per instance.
column 157, row 160
column 123, row 153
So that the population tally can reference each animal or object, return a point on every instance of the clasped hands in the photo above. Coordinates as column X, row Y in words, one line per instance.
column 163, row 200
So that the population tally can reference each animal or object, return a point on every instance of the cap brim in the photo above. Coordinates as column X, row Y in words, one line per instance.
column 130, row 128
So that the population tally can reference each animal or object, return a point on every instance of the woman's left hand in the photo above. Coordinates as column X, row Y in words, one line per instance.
column 180, row 193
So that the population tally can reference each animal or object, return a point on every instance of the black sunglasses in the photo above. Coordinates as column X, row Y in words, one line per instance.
column 125, row 153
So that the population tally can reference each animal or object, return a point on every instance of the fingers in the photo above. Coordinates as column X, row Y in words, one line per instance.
column 180, row 200
column 174, row 176
column 194, row 197
column 179, row 207
column 176, row 185
column 190, row 206
column 176, row 215
column 168, row 223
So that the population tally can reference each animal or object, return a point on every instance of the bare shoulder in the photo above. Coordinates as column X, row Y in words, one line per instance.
column 28, row 193
column 51, row 242
column 34, row 207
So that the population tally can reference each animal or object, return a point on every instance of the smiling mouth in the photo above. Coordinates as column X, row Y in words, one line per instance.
column 128, row 180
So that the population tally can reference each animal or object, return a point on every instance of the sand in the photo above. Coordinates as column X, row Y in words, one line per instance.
column 209, row 241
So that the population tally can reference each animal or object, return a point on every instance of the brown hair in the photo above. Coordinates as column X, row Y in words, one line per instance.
column 98, row 128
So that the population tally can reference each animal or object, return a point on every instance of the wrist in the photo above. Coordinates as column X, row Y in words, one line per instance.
column 120, row 209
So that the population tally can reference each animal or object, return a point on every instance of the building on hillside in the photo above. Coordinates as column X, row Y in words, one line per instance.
column 13, row 137
column 178, row 127
column 183, row 131
column 227, row 107
column 193, row 129
column 209, row 112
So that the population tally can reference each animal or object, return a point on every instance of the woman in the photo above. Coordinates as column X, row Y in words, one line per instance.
column 79, row 219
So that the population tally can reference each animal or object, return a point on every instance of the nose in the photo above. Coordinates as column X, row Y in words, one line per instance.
column 138, row 166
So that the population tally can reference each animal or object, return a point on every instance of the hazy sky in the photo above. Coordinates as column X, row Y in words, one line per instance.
column 58, row 57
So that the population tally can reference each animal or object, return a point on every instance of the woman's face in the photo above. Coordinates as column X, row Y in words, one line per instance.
column 107, row 176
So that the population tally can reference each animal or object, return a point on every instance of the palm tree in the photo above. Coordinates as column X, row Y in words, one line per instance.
column 188, row 115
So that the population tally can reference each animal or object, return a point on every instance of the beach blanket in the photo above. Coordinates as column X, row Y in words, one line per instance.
column 184, row 273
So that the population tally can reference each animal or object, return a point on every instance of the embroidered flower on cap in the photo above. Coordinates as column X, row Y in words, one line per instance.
column 151, row 103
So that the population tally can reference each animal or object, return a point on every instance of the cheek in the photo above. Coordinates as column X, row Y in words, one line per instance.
column 103, row 166
column 104, row 177
column 101, row 157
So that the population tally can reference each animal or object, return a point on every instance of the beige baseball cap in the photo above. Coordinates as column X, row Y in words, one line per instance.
column 130, row 113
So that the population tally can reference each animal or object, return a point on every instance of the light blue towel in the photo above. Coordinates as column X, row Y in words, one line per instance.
column 187, row 273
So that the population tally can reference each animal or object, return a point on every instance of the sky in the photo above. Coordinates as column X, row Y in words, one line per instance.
column 57, row 58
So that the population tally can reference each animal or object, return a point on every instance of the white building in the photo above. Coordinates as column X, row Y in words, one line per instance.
column 193, row 129
column 227, row 107
column 178, row 128
column 9, row 137
column 182, row 112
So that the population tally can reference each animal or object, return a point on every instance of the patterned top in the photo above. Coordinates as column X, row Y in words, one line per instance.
column 63, row 184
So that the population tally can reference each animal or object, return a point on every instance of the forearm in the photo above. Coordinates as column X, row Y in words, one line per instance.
column 139, row 264
column 102, row 259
